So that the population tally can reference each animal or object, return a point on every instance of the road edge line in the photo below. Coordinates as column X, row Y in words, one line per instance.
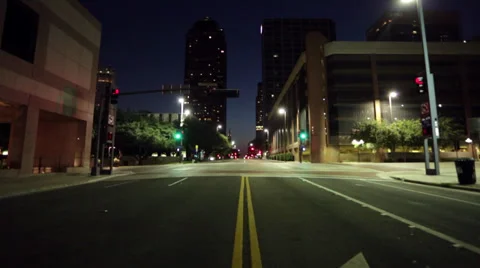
column 437, row 234
column 61, row 186
column 443, row 185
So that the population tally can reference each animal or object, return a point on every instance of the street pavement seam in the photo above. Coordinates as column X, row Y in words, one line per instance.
column 61, row 186
column 419, row 192
column 430, row 231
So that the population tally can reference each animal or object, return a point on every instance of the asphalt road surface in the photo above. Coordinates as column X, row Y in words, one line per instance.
column 243, row 214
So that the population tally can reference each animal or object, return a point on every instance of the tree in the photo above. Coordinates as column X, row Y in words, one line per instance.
column 387, row 137
column 451, row 132
column 409, row 134
column 142, row 135
column 205, row 136
column 366, row 131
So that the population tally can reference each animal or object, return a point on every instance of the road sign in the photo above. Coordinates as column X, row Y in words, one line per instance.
column 111, row 120
column 425, row 109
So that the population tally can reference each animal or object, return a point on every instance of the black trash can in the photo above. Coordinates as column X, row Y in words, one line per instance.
column 466, row 170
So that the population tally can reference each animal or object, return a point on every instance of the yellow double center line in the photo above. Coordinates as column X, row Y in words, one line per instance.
column 237, row 260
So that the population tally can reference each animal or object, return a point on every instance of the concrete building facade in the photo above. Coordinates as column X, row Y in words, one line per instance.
column 48, row 63
column 336, row 84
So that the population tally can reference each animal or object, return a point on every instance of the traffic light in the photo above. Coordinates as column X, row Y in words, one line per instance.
column 114, row 97
column 177, row 136
column 421, row 83
column 109, row 137
column 303, row 136
column 426, row 127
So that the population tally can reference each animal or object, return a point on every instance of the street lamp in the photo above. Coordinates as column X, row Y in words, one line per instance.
column 283, row 112
column 431, row 89
column 219, row 127
column 267, row 140
column 392, row 94
column 187, row 112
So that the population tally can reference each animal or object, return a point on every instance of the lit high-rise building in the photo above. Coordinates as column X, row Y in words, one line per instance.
column 283, row 41
column 206, row 71
column 404, row 26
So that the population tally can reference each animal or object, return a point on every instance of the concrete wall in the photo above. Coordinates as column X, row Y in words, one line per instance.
column 60, row 81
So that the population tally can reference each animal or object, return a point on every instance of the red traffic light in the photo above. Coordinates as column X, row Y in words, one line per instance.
column 116, row 91
column 419, row 81
column 110, row 136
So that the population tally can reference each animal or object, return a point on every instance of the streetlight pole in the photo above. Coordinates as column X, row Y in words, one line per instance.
column 266, row 141
column 390, row 96
column 181, row 101
column 283, row 112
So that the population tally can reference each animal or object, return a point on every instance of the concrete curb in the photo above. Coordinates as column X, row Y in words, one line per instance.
column 444, row 185
column 61, row 186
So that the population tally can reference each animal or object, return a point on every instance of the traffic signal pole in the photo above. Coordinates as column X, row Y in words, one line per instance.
column 98, row 132
column 431, row 96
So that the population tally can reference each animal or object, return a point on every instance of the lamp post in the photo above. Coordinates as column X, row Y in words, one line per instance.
column 266, row 141
column 219, row 127
column 392, row 94
column 181, row 101
column 283, row 112
column 187, row 113
column 431, row 86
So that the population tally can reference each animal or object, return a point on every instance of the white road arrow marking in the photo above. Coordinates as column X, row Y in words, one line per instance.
column 356, row 262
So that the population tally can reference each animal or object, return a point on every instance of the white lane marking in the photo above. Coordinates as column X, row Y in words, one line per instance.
column 435, row 195
column 358, row 261
column 179, row 181
column 118, row 184
column 400, row 219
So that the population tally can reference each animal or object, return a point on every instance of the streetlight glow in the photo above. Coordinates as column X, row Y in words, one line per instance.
column 219, row 127
column 282, row 111
column 393, row 94
column 181, row 100
column 406, row 1
column 265, row 130
column 187, row 112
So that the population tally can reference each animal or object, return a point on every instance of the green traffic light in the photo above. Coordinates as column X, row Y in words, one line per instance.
column 303, row 136
column 177, row 136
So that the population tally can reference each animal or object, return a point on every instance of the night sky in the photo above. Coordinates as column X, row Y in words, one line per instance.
column 144, row 40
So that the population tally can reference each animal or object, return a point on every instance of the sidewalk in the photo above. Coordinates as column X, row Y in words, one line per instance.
column 10, row 187
column 415, row 173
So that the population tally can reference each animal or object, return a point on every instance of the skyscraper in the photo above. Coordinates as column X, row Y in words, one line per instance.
column 206, row 71
column 259, row 112
column 283, row 41
column 403, row 26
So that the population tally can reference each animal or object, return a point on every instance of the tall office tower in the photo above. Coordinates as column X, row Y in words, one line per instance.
column 105, row 79
column 404, row 26
column 259, row 113
column 283, row 41
column 206, row 71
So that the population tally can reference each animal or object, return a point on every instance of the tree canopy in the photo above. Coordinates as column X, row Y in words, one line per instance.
column 142, row 135
column 406, row 133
